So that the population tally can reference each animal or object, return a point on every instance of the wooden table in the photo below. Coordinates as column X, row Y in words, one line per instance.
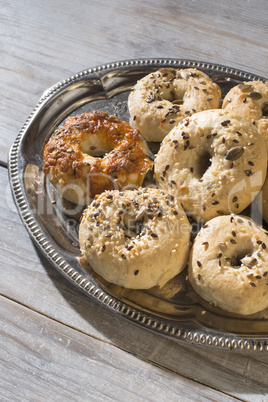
column 56, row 343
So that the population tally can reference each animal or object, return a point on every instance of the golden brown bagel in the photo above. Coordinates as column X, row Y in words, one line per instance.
column 93, row 152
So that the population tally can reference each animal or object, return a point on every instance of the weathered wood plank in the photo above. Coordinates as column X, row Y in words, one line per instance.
column 43, row 359
column 42, row 43
column 28, row 279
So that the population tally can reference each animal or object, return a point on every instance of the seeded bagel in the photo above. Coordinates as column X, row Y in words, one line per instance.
column 135, row 239
column 93, row 152
column 214, row 163
column 250, row 99
column 163, row 98
column 229, row 264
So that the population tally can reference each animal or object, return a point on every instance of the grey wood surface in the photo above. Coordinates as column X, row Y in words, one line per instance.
column 56, row 343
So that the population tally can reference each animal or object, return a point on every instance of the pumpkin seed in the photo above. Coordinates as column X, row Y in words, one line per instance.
column 244, row 87
column 255, row 95
column 234, row 153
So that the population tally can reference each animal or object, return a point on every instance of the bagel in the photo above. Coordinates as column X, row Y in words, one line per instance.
column 135, row 239
column 214, row 163
column 228, row 264
column 93, row 152
column 262, row 201
column 250, row 99
column 163, row 98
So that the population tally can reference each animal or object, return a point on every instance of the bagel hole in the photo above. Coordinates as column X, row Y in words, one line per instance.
column 203, row 163
column 95, row 147
column 265, row 110
column 237, row 260
column 96, row 152
column 177, row 97
column 133, row 225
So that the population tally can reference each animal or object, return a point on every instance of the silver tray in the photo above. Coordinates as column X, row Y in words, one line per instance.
column 175, row 311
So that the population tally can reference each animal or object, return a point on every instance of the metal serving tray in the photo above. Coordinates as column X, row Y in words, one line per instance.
column 174, row 311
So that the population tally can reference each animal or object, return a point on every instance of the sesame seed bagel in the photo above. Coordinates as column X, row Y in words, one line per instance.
column 229, row 264
column 93, row 152
column 250, row 99
column 163, row 98
column 214, row 163
column 135, row 239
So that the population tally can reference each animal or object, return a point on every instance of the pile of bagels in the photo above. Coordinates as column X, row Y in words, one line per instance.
column 210, row 167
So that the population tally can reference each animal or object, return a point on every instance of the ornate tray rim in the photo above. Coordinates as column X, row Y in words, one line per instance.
column 178, row 330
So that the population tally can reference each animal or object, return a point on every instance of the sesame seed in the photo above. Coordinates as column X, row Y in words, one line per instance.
column 136, row 272
column 199, row 263
column 252, row 284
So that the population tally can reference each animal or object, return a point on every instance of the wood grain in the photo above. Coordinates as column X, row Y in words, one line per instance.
column 42, row 43
column 55, row 342
column 43, row 359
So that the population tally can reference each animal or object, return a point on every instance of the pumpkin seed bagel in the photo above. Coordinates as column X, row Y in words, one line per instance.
column 213, row 162
column 163, row 98
column 250, row 100
column 229, row 264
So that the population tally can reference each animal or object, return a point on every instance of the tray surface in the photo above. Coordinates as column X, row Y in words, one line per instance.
column 175, row 310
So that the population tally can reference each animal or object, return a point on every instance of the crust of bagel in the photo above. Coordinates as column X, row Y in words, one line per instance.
column 249, row 99
column 163, row 98
column 214, row 162
column 228, row 264
column 135, row 239
column 78, row 174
